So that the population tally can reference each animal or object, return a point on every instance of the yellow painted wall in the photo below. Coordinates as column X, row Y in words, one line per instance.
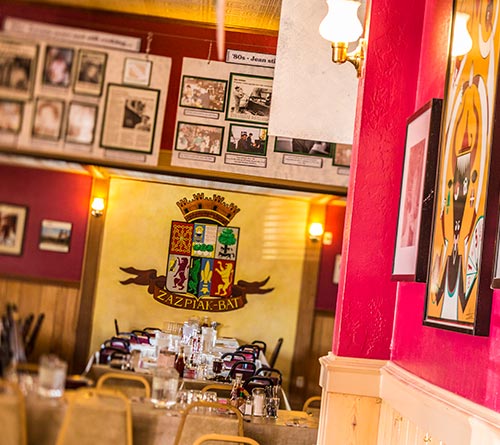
column 137, row 234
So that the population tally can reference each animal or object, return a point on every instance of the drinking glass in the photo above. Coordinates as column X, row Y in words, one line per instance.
column 217, row 366
column 272, row 406
column 51, row 376
column 164, row 387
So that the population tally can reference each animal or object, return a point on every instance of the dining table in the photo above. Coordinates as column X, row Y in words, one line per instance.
column 158, row 426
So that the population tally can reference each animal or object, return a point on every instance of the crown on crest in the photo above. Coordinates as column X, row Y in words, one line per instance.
column 202, row 207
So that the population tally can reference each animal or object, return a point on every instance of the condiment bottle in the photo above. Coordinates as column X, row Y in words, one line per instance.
column 180, row 362
column 237, row 389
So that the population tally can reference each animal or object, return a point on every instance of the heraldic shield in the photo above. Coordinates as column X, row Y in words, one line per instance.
column 202, row 259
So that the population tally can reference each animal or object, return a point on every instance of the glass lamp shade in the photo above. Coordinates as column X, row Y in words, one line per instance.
column 315, row 230
column 341, row 24
column 462, row 41
column 97, row 205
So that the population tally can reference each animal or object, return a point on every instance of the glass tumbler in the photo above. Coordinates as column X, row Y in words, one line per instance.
column 51, row 376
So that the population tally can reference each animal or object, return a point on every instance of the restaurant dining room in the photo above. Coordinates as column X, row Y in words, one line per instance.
column 214, row 230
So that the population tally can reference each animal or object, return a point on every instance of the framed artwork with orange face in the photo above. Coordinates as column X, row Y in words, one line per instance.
column 465, row 219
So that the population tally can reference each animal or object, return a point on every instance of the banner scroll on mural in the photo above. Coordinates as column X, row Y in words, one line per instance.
column 222, row 125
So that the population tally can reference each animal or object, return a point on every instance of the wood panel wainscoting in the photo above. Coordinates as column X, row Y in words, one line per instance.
column 58, row 302
column 373, row 402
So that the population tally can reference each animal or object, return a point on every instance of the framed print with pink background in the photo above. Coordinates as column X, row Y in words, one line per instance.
column 459, row 295
column 411, row 249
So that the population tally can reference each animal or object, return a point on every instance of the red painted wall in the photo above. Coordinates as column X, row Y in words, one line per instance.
column 466, row 365
column 48, row 195
column 326, row 296
column 366, row 298
column 169, row 39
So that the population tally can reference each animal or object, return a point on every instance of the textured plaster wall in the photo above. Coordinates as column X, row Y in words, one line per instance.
column 137, row 233
column 466, row 365
column 366, row 299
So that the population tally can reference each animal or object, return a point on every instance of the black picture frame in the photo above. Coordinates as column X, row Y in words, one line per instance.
column 90, row 72
column 305, row 147
column 13, row 222
column 255, row 142
column 211, row 138
column 416, row 204
column 123, row 126
column 249, row 98
column 18, row 63
column 203, row 93
column 48, row 118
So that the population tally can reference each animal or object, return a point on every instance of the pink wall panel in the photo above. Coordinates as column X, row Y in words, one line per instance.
column 466, row 365
column 366, row 299
column 48, row 195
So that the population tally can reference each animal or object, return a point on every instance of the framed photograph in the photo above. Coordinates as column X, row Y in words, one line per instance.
column 249, row 98
column 12, row 226
column 303, row 147
column 130, row 118
column 205, row 94
column 465, row 220
column 411, row 250
column 199, row 138
column 90, row 72
column 247, row 139
column 58, row 66
column 81, row 122
column 342, row 155
column 55, row 236
column 48, row 118
column 495, row 282
column 137, row 71
column 11, row 116
column 18, row 62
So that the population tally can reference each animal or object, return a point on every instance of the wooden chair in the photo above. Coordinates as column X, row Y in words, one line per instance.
column 187, row 434
column 96, row 417
column 310, row 401
column 131, row 385
column 220, row 388
column 13, row 414
column 224, row 438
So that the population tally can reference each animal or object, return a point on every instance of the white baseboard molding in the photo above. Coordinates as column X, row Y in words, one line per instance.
column 446, row 416
column 350, row 375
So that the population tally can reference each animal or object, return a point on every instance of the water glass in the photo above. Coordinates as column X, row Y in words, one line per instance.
column 164, row 387
column 51, row 376
column 210, row 396
column 272, row 406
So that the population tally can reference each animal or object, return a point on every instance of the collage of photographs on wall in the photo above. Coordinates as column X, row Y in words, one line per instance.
column 244, row 101
column 65, row 95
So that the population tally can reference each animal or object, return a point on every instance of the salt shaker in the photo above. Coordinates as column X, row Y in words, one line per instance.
column 259, row 401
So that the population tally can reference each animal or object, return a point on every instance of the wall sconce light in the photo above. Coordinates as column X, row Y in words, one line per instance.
column 462, row 41
column 340, row 26
column 315, row 231
column 97, row 206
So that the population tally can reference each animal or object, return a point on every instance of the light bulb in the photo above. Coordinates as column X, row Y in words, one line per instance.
column 315, row 230
column 97, row 206
column 341, row 24
column 462, row 41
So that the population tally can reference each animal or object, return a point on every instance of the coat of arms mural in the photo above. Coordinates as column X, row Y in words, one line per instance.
column 201, row 262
